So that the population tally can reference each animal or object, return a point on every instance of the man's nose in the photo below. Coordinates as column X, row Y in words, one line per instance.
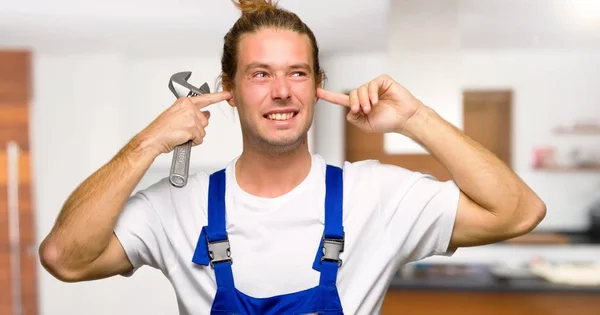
column 281, row 88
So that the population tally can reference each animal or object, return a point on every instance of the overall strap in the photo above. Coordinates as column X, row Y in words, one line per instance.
column 216, row 230
column 213, row 244
column 334, row 195
column 332, row 245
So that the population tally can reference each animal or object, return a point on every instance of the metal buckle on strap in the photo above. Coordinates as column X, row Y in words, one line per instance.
column 332, row 248
column 219, row 251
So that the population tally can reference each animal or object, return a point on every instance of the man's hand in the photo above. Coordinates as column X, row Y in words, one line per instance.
column 181, row 122
column 381, row 105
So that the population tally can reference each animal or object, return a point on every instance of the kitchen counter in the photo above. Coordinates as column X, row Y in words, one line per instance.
column 478, row 278
column 581, row 237
column 473, row 289
column 555, row 237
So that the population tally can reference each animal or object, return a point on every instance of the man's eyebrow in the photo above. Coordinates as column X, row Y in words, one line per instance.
column 257, row 65
column 302, row 65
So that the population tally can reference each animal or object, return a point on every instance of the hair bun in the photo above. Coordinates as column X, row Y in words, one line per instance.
column 254, row 6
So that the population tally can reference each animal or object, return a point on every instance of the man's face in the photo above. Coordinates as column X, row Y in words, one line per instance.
column 274, row 88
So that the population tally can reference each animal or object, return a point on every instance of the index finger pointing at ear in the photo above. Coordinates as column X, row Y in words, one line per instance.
column 333, row 97
column 210, row 98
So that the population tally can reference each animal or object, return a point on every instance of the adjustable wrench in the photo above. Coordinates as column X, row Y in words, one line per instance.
column 180, row 166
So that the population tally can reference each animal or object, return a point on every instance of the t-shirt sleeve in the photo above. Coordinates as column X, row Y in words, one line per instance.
column 418, row 211
column 140, row 229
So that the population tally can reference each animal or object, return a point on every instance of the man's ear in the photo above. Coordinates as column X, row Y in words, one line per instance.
column 231, row 101
column 319, row 86
column 227, row 86
column 320, row 82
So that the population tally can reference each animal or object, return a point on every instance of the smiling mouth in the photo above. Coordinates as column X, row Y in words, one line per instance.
column 281, row 116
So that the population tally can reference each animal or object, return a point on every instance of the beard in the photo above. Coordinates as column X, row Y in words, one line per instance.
column 280, row 142
column 275, row 144
column 256, row 136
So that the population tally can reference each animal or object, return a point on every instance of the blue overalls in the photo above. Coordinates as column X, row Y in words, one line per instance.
column 213, row 249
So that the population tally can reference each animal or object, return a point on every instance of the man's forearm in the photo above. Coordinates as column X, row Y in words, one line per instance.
column 481, row 175
column 85, row 224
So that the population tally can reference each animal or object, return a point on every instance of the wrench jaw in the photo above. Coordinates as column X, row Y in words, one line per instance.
column 181, row 88
column 178, row 84
column 203, row 89
column 178, row 90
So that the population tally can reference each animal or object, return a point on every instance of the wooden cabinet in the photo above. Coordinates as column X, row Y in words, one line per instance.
column 428, row 302
column 18, row 259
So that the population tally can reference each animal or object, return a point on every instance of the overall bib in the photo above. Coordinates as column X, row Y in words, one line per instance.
column 213, row 249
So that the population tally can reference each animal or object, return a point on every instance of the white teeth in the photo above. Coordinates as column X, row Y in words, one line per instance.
column 281, row 116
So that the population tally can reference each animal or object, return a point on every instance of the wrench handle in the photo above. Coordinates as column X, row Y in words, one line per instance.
column 180, row 166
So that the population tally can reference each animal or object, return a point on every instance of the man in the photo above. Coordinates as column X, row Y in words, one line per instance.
column 278, row 231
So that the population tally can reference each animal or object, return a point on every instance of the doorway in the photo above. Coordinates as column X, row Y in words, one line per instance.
column 488, row 119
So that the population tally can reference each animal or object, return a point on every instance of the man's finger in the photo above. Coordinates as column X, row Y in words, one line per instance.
column 354, row 102
column 373, row 92
column 210, row 98
column 363, row 98
column 333, row 97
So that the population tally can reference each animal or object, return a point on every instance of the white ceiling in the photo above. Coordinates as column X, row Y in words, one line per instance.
column 530, row 24
column 176, row 25
column 180, row 26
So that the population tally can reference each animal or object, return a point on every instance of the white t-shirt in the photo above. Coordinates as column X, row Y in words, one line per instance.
column 391, row 216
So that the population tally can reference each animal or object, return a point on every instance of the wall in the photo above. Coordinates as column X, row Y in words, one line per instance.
column 344, row 72
column 553, row 86
column 550, row 89
column 76, row 127
column 424, row 56
column 556, row 85
column 85, row 108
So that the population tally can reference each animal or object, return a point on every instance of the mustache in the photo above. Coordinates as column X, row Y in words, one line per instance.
column 282, row 103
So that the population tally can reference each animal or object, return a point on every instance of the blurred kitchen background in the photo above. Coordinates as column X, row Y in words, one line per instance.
column 79, row 78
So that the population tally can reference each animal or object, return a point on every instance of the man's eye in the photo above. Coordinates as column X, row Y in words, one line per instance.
column 299, row 74
column 260, row 74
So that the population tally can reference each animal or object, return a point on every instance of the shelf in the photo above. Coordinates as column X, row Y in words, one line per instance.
column 591, row 130
column 558, row 168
